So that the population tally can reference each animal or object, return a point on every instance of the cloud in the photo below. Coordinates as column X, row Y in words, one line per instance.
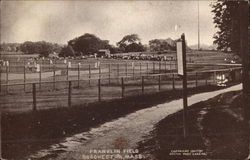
column 60, row 21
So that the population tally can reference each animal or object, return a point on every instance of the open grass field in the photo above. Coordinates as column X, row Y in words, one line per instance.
column 52, row 81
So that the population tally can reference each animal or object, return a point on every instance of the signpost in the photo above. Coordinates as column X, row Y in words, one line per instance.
column 181, row 64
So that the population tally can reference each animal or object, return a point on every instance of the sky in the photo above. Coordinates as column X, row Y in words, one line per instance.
column 60, row 21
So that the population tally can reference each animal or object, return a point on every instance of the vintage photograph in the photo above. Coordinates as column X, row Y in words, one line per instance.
column 124, row 80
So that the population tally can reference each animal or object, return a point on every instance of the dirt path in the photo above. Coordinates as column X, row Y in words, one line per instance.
column 128, row 130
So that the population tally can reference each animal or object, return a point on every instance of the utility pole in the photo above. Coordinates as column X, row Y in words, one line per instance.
column 198, row 25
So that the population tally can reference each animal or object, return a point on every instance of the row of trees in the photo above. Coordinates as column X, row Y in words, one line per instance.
column 42, row 48
column 89, row 44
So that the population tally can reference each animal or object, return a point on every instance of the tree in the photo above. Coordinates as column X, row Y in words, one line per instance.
column 42, row 48
column 88, row 44
column 134, row 47
column 226, row 19
column 130, row 43
column 67, row 51
column 162, row 44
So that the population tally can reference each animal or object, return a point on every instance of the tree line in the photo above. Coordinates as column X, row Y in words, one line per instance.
column 89, row 44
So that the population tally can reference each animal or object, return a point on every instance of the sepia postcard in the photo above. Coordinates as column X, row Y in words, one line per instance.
column 124, row 80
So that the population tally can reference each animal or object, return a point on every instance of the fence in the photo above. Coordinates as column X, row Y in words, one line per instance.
column 63, row 93
column 60, row 71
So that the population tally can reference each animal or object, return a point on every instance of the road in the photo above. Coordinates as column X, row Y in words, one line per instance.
column 126, row 131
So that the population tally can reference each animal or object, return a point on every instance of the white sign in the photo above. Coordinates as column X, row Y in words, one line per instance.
column 179, row 58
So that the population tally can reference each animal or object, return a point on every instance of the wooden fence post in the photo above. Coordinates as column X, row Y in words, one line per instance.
column 173, row 81
column 214, row 76
column 109, row 72
column 67, row 72
column 78, row 77
column 165, row 66
column 69, row 94
column 54, row 77
column 0, row 91
column 89, row 74
column 142, row 84
column 7, row 79
column 140, row 69
column 147, row 68
column 99, row 90
column 24, row 78
column 159, row 66
column 133, row 70
column 196, row 79
column 170, row 66
column 206, row 78
column 153, row 67
column 40, row 77
column 34, row 96
column 100, row 71
column 159, row 82
column 126, row 69
column 117, row 70
column 122, row 81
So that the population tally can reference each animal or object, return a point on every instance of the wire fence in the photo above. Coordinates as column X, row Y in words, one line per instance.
column 117, row 82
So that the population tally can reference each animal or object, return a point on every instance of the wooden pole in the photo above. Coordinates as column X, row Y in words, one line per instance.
column 196, row 79
column 170, row 66
column 1, row 136
column 109, row 72
column 100, row 71
column 165, row 66
column 206, row 78
column 89, row 74
column 214, row 77
column 142, row 84
column 0, row 91
column 34, row 96
column 7, row 78
column 24, row 78
column 40, row 77
column 147, row 68
column 184, row 90
column 69, row 94
column 126, row 69
column 140, row 69
column 153, row 67
column 78, row 77
column 173, row 81
column 159, row 82
column 54, row 77
column 133, row 70
column 117, row 69
column 122, row 81
column 67, row 72
column 159, row 66
column 99, row 90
